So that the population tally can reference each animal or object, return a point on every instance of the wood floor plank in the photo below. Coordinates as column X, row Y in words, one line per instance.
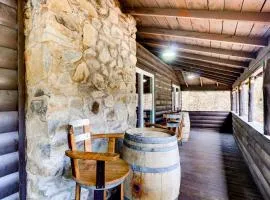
column 213, row 168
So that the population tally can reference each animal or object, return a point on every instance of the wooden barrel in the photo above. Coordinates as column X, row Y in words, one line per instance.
column 186, row 128
column 155, row 162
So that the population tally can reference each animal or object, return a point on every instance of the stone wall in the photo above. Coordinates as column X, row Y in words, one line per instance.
column 206, row 100
column 256, row 150
column 80, row 63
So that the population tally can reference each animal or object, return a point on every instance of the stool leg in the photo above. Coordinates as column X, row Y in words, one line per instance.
column 78, row 192
column 121, row 187
column 99, row 194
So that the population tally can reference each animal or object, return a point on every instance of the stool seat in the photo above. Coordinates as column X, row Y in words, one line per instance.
column 115, row 173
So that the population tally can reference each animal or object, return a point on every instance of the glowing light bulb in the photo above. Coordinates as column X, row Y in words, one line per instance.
column 191, row 76
column 169, row 54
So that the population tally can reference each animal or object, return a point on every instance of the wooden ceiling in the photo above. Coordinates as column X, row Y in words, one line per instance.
column 216, row 39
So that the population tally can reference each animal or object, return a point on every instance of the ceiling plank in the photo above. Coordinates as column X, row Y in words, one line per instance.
column 197, row 69
column 231, row 63
column 193, row 48
column 210, row 66
column 252, row 17
column 243, row 40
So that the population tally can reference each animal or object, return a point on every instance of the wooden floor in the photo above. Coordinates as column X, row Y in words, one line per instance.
column 213, row 169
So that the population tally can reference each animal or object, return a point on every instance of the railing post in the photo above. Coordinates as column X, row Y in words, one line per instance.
column 266, row 97
column 241, row 100
column 251, row 99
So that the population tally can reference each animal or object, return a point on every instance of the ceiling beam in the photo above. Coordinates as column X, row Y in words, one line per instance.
column 213, row 78
column 219, row 61
column 251, row 17
column 210, row 66
column 193, row 48
column 223, row 73
column 182, row 78
column 205, row 87
column 255, row 42
column 254, row 65
column 199, row 70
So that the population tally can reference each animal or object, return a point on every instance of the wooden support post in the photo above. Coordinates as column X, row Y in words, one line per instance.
column 173, row 98
column 251, row 99
column 266, row 97
column 237, row 100
column 241, row 100
column 141, row 101
column 233, row 101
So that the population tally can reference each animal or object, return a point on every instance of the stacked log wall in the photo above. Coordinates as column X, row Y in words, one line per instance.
column 164, row 78
column 256, row 150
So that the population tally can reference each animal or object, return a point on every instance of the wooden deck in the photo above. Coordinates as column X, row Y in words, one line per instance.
column 213, row 169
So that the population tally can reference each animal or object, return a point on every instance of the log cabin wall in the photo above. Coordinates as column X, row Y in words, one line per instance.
column 164, row 78
column 12, row 171
column 218, row 120
column 256, row 150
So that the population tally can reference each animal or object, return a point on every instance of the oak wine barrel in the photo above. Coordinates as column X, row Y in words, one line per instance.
column 155, row 162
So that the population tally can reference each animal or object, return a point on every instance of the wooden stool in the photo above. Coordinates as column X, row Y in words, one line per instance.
column 97, row 171
column 175, row 126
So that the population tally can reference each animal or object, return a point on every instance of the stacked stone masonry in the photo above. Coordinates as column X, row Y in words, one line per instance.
column 256, row 150
column 80, row 63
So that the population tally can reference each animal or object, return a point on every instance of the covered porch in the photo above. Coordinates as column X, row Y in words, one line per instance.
column 98, row 72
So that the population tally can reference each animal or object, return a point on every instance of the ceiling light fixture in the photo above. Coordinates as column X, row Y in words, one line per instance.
column 169, row 54
column 191, row 76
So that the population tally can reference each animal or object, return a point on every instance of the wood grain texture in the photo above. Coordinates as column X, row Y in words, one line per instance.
column 220, row 61
column 219, row 78
column 115, row 171
column 92, row 155
column 266, row 98
column 8, row 58
column 262, row 18
column 205, row 87
column 199, row 49
column 8, row 79
column 255, row 42
column 225, row 176
column 8, row 100
column 8, row 142
column 21, row 99
column 8, row 37
column 210, row 67
column 9, row 185
column 107, row 135
column 11, row 3
column 8, row 16
column 8, row 121
column 9, row 164
column 215, row 119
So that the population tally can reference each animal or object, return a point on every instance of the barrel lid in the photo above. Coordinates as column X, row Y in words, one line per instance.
column 149, row 135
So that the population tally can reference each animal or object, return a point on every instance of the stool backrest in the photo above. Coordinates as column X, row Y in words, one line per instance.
column 74, row 138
